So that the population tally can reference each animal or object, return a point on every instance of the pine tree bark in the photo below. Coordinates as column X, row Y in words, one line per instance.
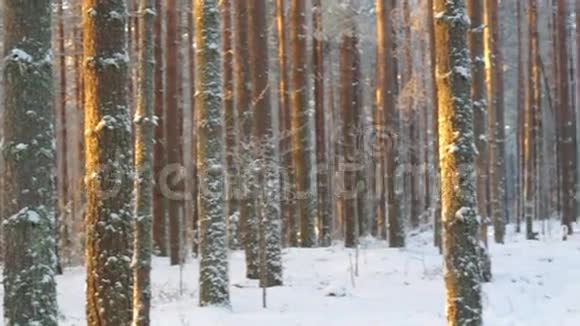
column 323, row 166
column 173, row 126
column 267, row 148
column 195, row 176
column 109, row 165
column 248, row 217
column 213, row 266
column 303, row 146
column 567, row 128
column 496, row 127
column 521, row 106
column 230, row 122
column 159, row 150
column 457, row 159
column 144, row 140
column 532, row 110
column 28, row 193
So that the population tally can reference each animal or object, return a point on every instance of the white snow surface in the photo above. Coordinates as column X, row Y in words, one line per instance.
column 536, row 283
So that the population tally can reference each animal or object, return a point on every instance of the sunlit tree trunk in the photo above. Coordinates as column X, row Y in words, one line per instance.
column 28, row 192
column 496, row 127
column 144, row 138
column 247, row 191
column 457, row 157
column 267, row 149
column 213, row 265
column 303, row 146
column 109, row 168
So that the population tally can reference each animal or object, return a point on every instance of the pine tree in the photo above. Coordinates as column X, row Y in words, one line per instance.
column 248, row 218
column 267, row 149
column 457, row 159
column 108, row 163
column 28, row 192
column 144, row 137
column 303, row 145
column 496, row 124
column 532, row 111
column 213, row 269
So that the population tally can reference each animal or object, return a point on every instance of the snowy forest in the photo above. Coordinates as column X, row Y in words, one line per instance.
column 290, row 162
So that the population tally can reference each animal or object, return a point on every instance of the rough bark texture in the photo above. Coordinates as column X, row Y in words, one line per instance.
column 144, row 137
column 159, row 151
column 28, row 194
column 532, row 110
column 247, row 191
column 457, row 159
column 496, row 130
column 267, row 149
column 108, row 161
column 303, row 146
column 323, row 163
column 213, row 269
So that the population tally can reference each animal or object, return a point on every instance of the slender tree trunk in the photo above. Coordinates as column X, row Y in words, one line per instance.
column 195, row 176
column 532, row 110
column 303, row 148
column 567, row 128
column 457, row 159
column 109, row 165
column 437, row 234
column 144, row 138
column 173, row 127
column 230, row 122
column 159, row 150
column 213, row 266
column 496, row 127
column 267, row 149
column 323, row 166
column 248, row 218
column 28, row 206
column 521, row 94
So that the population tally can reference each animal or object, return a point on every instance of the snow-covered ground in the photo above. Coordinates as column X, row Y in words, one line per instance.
column 536, row 283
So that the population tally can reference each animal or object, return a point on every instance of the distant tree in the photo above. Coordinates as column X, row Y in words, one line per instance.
column 108, row 163
column 457, row 159
column 303, row 143
column 144, row 139
column 28, row 192
column 213, row 265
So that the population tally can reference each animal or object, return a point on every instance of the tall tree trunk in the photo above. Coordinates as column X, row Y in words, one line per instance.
column 173, row 127
column 144, row 138
column 267, row 148
column 532, row 110
column 159, row 150
column 213, row 265
column 248, row 218
column 28, row 193
column 457, row 159
column 195, row 176
column 496, row 127
column 521, row 107
column 567, row 128
column 323, row 166
column 349, row 162
column 288, row 204
column 230, row 122
column 437, row 234
column 109, row 165
column 303, row 147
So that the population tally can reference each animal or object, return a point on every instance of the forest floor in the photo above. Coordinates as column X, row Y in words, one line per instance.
column 536, row 283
